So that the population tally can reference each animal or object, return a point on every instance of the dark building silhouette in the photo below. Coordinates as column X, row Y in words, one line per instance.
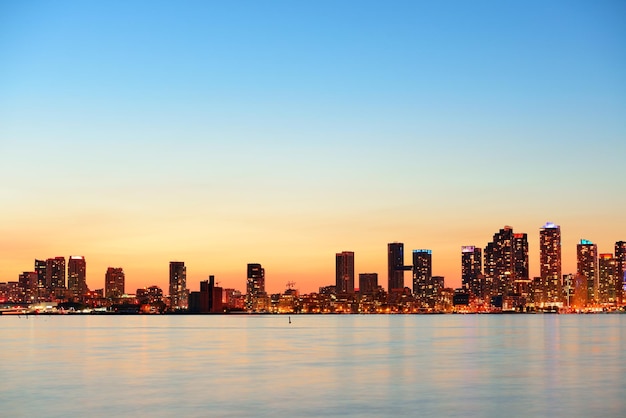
column 344, row 272
column 28, row 287
column 607, row 279
column 114, row 282
column 500, row 261
column 368, row 283
column 255, row 288
column 620, row 256
column 395, row 267
column 422, row 276
column 471, row 270
column 550, row 262
column 77, row 275
column 587, row 267
column 55, row 273
column 520, row 257
column 178, row 285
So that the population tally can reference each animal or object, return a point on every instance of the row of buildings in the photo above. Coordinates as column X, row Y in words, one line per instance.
column 497, row 277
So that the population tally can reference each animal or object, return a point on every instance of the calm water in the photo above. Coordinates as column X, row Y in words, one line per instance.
column 362, row 366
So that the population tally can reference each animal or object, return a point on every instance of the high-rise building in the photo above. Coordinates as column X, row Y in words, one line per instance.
column 587, row 261
column 422, row 276
column 550, row 262
column 28, row 287
column 55, row 273
column 500, row 267
column 607, row 279
column 178, row 285
column 344, row 272
column 40, row 269
column 395, row 266
column 76, row 275
column 620, row 256
column 255, row 288
column 471, row 270
column 368, row 283
column 520, row 257
column 114, row 282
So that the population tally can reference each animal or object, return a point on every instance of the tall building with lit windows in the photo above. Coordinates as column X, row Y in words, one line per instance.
column 587, row 267
column 114, row 282
column 55, row 273
column 471, row 270
column 255, row 288
column 520, row 256
column 620, row 256
column 422, row 276
column 77, row 275
column 607, row 279
column 395, row 266
column 500, row 264
column 368, row 283
column 178, row 285
column 344, row 272
column 550, row 262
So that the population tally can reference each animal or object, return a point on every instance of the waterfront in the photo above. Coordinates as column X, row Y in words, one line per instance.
column 347, row 365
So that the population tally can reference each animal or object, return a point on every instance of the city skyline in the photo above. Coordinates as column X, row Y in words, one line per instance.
column 281, row 133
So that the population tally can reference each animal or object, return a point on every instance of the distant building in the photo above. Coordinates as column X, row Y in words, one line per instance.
column 28, row 287
column 500, row 261
column 520, row 257
column 344, row 272
column 114, row 282
column 471, row 270
column 368, row 283
column 77, row 275
column 422, row 276
column 587, row 261
column 55, row 273
column 256, row 298
column 395, row 267
column 620, row 256
column 178, row 285
column 607, row 279
column 550, row 262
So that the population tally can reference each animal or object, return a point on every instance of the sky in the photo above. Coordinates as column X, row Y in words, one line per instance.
column 136, row 133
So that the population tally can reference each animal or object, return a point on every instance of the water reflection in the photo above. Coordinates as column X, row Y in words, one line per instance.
column 441, row 365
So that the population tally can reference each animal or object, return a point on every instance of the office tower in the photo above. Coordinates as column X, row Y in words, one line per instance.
column 500, row 261
column 607, row 279
column 620, row 256
column 40, row 269
column 368, row 283
column 422, row 276
column 76, row 275
column 344, row 272
column 520, row 257
column 178, row 285
column 395, row 266
column 587, row 261
column 568, row 289
column 471, row 270
column 55, row 273
column 550, row 261
column 28, row 287
column 114, row 282
column 255, row 288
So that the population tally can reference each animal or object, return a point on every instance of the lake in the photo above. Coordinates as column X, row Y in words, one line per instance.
column 332, row 365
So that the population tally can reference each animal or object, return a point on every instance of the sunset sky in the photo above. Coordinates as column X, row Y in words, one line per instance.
column 281, row 132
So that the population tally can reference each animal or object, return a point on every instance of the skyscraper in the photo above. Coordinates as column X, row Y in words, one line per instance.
column 76, row 275
column 422, row 276
column 255, row 288
column 607, row 279
column 40, row 269
column 395, row 266
column 178, row 285
column 587, row 261
column 520, row 257
column 114, row 282
column 620, row 256
column 471, row 269
column 344, row 272
column 28, row 287
column 550, row 261
column 500, row 267
column 368, row 282
column 55, row 273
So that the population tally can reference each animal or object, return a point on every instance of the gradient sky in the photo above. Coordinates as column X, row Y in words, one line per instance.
column 280, row 132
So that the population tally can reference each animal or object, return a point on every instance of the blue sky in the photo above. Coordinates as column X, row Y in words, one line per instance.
column 342, row 123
